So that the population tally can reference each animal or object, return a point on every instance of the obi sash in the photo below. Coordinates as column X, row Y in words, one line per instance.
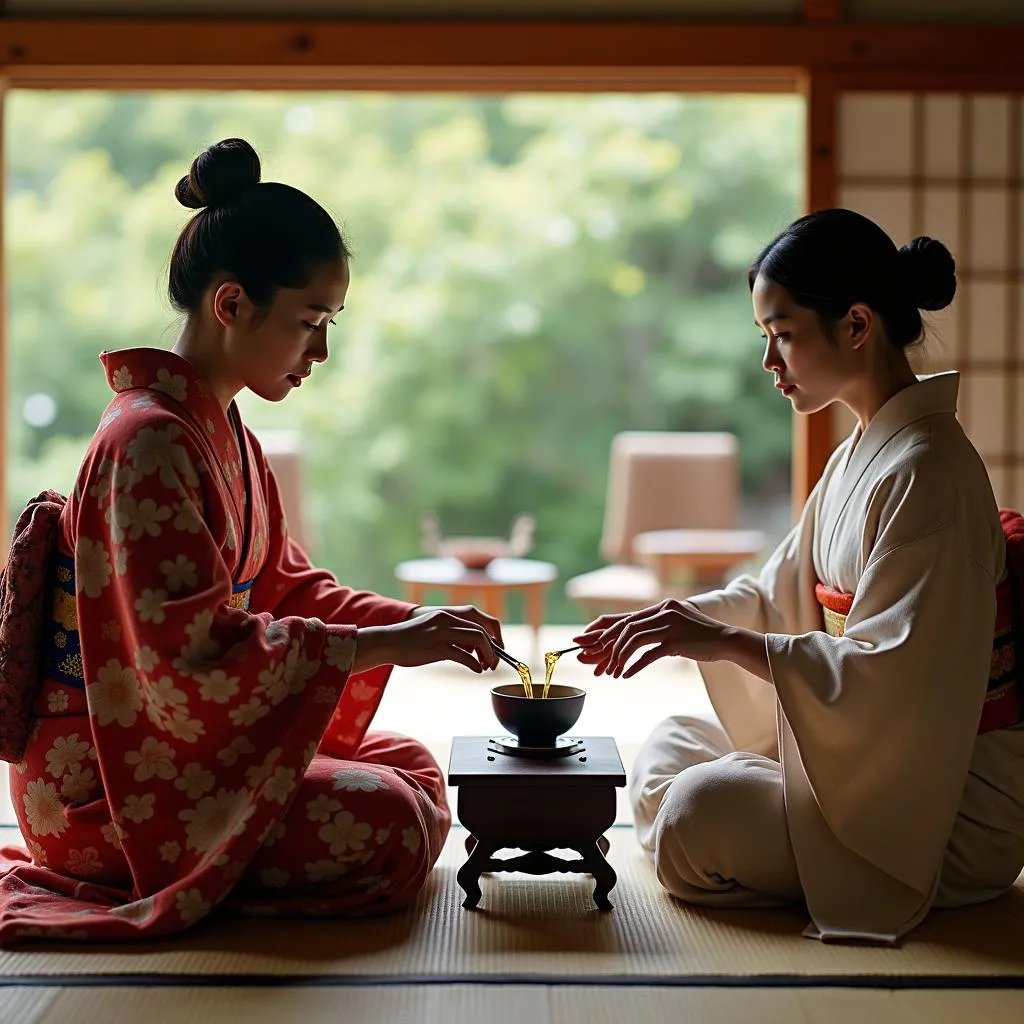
column 1004, row 698
column 24, row 609
column 62, row 647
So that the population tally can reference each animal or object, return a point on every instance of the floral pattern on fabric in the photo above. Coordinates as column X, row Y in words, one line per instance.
column 204, row 729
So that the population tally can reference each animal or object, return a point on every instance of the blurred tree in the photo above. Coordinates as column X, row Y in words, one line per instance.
column 532, row 275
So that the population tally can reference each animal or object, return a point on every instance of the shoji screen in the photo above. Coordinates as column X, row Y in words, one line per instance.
column 949, row 165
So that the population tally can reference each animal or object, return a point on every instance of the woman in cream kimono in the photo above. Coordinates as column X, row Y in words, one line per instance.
column 849, row 764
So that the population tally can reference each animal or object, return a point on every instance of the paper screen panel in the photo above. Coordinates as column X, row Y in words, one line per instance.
column 948, row 164
column 890, row 206
column 983, row 412
column 942, row 151
column 1015, row 491
column 988, row 303
column 874, row 134
column 1001, row 478
column 990, row 136
column 989, row 239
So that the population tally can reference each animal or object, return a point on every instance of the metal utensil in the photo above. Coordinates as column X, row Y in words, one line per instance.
column 520, row 667
column 505, row 656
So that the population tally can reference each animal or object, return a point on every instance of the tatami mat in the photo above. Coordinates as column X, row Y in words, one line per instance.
column 533, row 930
column 473, row 1004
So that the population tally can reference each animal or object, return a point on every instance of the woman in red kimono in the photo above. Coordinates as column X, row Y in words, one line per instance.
column 200, row 728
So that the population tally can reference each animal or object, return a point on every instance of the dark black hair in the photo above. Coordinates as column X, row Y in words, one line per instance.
column 831, row 259
column 266, row 236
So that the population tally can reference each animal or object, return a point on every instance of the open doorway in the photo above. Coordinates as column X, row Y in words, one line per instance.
column 533, row 274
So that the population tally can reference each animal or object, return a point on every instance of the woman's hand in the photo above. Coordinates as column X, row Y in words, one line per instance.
column 488, row 623
column 670, row 628
column 430, row 635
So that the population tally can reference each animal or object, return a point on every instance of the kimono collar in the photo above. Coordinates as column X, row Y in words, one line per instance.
column 933, row 394
column 134, row 369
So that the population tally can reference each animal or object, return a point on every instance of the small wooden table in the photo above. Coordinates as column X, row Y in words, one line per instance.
column 489, row 586
column 508, row 802
column 704, row 556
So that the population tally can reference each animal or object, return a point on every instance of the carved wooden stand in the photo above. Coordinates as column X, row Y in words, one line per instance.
column 510, row 802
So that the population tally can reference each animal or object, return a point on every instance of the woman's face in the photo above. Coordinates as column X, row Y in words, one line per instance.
column 272, row 351
column 809, row 368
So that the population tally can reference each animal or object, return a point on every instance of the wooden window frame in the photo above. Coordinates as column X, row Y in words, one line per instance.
column 819, row 57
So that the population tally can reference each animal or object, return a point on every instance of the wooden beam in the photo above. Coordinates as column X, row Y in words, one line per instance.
column 948, row 79
column 812, row 434
column 174, row 48
column 823, row 10
column 396, row 78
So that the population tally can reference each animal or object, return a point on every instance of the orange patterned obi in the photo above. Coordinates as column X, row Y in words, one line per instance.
column 1004, row 699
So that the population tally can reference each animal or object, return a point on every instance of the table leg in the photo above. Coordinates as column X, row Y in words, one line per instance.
column 458, row 593
column 415, row 593
column 492, row 602
column 604, row 874
column 469, row 874
column 534, row 601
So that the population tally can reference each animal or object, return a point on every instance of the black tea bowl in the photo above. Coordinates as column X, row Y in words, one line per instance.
column 537, row 721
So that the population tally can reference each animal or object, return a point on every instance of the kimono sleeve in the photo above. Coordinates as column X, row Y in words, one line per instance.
column 776, row 600
column 225, row 700
column 760, row 602
column 146, row 548
column 290, row 585
column 885, row 716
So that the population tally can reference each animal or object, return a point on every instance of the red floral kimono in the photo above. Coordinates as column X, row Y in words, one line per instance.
column 198, row 737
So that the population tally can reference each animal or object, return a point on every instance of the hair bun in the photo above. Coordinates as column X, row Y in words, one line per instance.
column 930, row 273
column 220, row 174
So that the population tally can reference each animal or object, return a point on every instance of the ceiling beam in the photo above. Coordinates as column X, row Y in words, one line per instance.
column 309, row 50
column 823, row 10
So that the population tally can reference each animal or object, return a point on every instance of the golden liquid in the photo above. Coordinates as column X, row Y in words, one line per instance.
column 549, row 668
column 524, row 674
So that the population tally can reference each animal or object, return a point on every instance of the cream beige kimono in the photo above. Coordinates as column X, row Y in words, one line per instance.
column 876, row 730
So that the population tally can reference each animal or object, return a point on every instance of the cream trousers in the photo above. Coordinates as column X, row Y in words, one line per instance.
column 714, row 819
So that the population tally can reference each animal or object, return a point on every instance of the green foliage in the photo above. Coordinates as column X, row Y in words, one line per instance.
column 532, row 275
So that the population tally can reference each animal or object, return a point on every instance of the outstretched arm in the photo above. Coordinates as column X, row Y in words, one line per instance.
column 672, row 628
column 291, row 585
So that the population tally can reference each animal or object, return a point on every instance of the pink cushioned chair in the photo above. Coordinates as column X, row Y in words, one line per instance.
column 669, row 521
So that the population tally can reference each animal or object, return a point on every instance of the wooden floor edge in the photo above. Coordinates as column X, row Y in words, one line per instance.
column 895, row 982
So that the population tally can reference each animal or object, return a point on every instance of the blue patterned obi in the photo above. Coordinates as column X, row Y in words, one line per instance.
column 62, row 650
column 62, row 646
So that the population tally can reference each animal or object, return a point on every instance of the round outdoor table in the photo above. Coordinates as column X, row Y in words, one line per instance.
column 487, row 587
